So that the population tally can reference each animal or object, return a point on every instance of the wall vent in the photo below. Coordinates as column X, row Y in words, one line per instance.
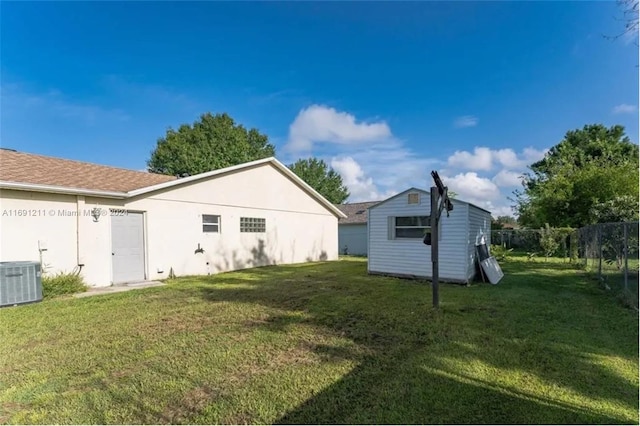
column 20, row 282
column 414, row 198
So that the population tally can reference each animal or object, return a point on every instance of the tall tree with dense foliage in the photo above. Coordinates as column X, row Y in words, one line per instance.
column 322, row 178
column 591, row 176
column 213, row 142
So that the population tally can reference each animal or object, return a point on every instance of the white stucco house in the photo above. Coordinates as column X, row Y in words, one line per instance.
column 117, row 226
column 352, row 230
column 396, row 227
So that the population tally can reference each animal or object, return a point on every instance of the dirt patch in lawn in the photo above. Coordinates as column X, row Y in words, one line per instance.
column 7, row 409
column 191, row 404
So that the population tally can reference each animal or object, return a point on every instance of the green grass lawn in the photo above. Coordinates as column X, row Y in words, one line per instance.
column 325, row 343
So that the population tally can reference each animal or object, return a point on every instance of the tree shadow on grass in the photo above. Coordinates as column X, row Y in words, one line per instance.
column 409, row 372
column 402, row 388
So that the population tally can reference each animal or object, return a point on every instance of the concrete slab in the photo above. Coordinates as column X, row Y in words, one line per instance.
column 96, row 291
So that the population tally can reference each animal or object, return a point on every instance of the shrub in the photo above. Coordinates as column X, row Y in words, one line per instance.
column 62, row 283
column 500, row 252
column 548, row 241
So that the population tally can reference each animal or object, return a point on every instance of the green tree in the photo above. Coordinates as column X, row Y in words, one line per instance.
column 322, row 178
column 619, row 209
column 213, row 142
column 589, row 168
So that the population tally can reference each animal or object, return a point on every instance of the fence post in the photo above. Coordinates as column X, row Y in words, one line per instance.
column 599, row 251
column 626, row 257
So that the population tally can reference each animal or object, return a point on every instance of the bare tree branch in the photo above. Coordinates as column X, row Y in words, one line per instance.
column 630, row 19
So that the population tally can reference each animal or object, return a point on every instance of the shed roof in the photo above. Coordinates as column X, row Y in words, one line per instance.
column 424, row 191
column 356, row 212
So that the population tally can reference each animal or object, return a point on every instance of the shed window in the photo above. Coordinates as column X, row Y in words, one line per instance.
column 253, row 224
column 210, row 223
column 414, row 198
column 411, row 226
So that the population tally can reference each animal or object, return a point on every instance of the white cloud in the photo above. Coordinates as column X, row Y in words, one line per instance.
column 531, row 155
column 624, row 109
column 466, row 121
column 360, row 186
column 381, row 170
column 382, row 166
column 481, row 159
column 373, row 164
column 484, row 158
column 499, row 210
column 507, row 178
column 479, row 187
column 507, row 157
column 318, row 123
column 473, row 188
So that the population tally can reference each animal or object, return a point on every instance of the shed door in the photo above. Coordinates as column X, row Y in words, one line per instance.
column 127, row 248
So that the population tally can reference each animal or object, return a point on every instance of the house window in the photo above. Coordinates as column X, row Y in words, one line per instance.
column 411, row 226
column 414, row 198
column 253, row 224
column 210, row 223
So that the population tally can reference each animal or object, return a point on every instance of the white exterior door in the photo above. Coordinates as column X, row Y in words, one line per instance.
column 127, row 247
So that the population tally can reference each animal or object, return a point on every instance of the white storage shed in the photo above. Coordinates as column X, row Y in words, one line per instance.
column 396, row 227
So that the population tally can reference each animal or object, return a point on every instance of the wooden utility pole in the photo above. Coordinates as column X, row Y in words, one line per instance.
column 434, row 219
column 439, row 201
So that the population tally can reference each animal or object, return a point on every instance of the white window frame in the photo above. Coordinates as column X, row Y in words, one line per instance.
column 392, row 234
column 426, row 229
column 207, row 221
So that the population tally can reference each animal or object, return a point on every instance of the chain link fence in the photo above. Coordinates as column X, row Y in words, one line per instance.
column 524, row 239
column 529, row 240
column 610, row 250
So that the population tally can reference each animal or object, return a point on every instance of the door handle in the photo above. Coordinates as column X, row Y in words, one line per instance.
column 113, row 254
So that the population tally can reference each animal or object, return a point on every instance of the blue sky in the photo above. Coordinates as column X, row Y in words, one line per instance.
column 384, row 92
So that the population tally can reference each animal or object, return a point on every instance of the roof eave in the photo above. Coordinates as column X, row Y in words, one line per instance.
column 140, row 191
column 54, row 189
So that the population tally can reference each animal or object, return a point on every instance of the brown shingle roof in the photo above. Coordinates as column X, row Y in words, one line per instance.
column 38, row 169
column 356, row 212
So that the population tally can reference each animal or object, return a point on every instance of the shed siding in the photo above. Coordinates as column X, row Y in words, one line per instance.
column 479, row 231
column 412, row 257
column 352, row 239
